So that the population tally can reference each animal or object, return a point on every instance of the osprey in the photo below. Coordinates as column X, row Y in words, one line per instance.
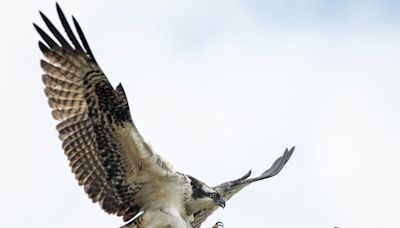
column 105, row 150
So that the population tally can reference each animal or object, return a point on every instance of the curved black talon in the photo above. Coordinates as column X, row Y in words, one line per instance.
column 218, row 224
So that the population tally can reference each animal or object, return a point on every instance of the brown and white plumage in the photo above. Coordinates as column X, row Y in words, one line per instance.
column 106, row 152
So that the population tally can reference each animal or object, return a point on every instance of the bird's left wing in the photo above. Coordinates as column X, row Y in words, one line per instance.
column 106, row 152
column 230, row 188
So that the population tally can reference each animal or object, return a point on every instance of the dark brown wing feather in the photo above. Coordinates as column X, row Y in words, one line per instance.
column 104, row 149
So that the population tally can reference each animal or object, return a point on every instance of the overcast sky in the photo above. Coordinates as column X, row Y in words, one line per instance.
column 218, row 88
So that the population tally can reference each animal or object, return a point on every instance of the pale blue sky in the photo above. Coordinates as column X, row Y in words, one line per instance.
column 222, row 81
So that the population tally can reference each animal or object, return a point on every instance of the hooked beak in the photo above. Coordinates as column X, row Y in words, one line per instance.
column 220, row 202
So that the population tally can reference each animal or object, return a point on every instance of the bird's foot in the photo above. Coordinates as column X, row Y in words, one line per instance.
column 218, row 225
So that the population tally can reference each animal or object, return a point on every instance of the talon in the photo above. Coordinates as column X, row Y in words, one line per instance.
column 218, row 224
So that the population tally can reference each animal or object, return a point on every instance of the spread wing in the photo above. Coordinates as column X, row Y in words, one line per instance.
column 106, row 152
column 230, row 188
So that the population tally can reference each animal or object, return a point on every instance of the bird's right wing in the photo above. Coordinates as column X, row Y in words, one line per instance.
column 106, row 152
column 230, row 188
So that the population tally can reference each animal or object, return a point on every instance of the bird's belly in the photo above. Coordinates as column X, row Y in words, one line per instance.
column 166, row 218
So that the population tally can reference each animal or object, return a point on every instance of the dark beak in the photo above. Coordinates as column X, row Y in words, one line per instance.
column 220, row 202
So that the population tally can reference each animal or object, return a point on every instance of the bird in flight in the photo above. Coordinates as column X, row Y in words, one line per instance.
column 107, row 154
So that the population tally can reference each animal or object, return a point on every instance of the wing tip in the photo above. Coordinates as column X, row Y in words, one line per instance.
column 58, row 6
column 244, row 177
column 41, row 14
column 289, row 152
column 37, row 28
column 43, row 47
column 83, row 39
column 59, row 10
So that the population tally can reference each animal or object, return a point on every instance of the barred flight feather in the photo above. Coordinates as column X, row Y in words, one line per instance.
column 93, row 115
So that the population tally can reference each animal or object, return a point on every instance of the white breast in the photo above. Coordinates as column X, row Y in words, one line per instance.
column 166, row 209
column 167, row 217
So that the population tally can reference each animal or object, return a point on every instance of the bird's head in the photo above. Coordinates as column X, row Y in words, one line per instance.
column 203, row 196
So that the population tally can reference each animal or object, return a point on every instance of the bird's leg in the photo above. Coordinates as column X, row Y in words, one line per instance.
column 218, row 225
